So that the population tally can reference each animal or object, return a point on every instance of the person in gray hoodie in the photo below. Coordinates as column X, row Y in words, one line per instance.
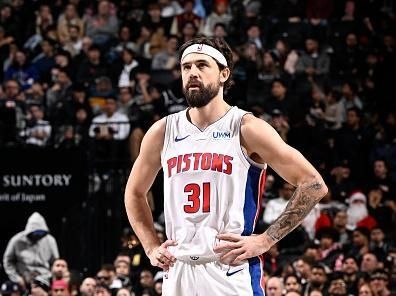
column 30, row 252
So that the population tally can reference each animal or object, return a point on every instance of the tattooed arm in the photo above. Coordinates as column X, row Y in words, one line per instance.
column 305, row 197
column 263, row 144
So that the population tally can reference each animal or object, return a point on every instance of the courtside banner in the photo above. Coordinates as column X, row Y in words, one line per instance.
column 51, row 181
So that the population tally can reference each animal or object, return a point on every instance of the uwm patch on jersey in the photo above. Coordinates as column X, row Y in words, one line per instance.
column 210, row 186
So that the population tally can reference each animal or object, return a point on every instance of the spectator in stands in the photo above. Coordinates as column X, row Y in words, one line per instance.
column 274, row 287
column 125, row 100
column 87, row 43
column 103, row 26
column 24, row 245
column 381, row 178
column 88, row 287
column 146, row 281
column 35, row 95
column 10, row 288
column 125, row 72
column 365, row 290
column 280, row 98
column 357, row 212
column 292, row 283
column 154, row 19
column 218, row 15
column 40, row 286
column 60, row 90
column 60, row 288
column 360, row 242
column 187, row 15
column 166, row 59
column 67, row 110
column 369, row 263
column 350, row 271
column 329, row 248
column 189, row 32
column 378, row 245
column 353, row 143
column 106, row 276
column 280, row 122
column 220, row 31
column 378, row 281
column 102, row 290
column 313, row 63
column 333, row 114
column 143, row 44
column 45, row 61
column 349, row 59
column 339, row 223
column 110, row 124
column 102, row 89
column 74, row 42
column 125, row 292
column 276, row 206
column 254, row 35
column 124, row 41
column 13, row 102
column 122, row 268
column 341, row 181
column 21, row 70
column 91, row 68
column 67, row 20
column 317, row 280
column 337, row 286
column 59, row 269
column 303, row 267
column 158, row 282
column 38, row 130
column 350, row 98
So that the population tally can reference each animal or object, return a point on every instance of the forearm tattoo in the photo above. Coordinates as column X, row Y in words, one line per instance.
column 300, row 204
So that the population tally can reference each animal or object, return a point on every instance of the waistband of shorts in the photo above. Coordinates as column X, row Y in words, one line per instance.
column 197, row 259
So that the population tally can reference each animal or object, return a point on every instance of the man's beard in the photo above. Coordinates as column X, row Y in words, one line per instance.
column 355, row 214
column 200, row 97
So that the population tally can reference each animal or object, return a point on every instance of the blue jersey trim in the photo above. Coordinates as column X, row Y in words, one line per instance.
column 256, row 276
column 251, row 197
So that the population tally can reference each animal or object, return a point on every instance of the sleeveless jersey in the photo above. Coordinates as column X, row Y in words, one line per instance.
column 210, row 185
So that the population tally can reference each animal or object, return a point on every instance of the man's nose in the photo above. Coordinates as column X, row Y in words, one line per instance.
column 194, row 71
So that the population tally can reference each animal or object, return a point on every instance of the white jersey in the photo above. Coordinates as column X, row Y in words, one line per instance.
column 210, row 185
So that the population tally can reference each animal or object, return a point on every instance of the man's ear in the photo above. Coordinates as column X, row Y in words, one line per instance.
column 224, row 74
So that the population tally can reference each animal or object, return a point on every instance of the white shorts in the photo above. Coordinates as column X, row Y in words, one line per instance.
column 213, row 278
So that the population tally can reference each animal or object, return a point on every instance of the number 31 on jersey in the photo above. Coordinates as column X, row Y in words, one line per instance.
column 197, row 194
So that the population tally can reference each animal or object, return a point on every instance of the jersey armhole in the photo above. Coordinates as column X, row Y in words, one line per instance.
column 166, row 138
column 242, row 153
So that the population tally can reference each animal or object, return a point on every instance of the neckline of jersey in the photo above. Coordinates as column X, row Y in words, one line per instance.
column 210, row 125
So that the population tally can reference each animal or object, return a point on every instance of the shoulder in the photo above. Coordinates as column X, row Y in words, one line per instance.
column 251, row 126
column 20, row 236
column 98, row 118
column 121, row 116
column 50, row 239
column 158, row 127
column 154, row 138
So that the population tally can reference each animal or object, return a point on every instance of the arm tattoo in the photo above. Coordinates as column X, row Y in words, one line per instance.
column 300, row 204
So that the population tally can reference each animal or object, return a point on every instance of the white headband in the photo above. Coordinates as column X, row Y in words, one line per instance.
column 205, row 49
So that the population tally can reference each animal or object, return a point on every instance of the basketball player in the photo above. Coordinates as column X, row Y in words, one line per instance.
column 214, row 158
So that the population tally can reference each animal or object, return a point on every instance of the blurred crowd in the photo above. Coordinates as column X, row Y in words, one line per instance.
column 95, row 74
